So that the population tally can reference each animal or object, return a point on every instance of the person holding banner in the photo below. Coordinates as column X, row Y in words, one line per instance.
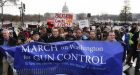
column 55, row 36
column 92, row 35
column 80, row 36
column 6, row 41
column 98, row 34
column 36, row 37
column 70, row 36
column 20, row 40
column 44, row 34
column 111, row 36
column 62, row 32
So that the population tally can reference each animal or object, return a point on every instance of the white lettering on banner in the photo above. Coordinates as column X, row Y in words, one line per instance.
column 73, row 57
column 44, row 58
column 46, row 48
column 97, row 59
column 90, row 49
column 25, row 49
column 81, row 58
column 102, row 62
column 58, row 57
column 39, row 48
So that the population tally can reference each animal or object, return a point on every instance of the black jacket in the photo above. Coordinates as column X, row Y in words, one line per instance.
column 44, row 37
column 11, row 41
column 55, row 39
column 40, row 40
column 70, row 38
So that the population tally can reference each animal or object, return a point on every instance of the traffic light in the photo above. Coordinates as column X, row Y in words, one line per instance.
column 23, row 6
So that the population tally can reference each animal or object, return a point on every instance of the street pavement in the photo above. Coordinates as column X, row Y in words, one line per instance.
column 129, row 69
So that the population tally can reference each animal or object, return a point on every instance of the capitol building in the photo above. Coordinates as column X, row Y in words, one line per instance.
column 65, row 9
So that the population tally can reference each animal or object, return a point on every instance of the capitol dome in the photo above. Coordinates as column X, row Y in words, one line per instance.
column 65, row 9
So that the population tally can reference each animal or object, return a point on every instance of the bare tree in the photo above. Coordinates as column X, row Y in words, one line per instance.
column 13, row 1
column 125, row 14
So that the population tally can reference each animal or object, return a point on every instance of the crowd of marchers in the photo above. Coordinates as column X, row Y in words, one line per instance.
column 128, row 37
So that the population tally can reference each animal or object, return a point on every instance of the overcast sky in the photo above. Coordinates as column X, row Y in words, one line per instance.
column 75, row 6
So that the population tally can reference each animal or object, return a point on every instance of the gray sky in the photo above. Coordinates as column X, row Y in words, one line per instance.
column 75, row 6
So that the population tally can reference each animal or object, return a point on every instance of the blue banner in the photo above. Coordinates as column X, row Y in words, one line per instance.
column 68, row 58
